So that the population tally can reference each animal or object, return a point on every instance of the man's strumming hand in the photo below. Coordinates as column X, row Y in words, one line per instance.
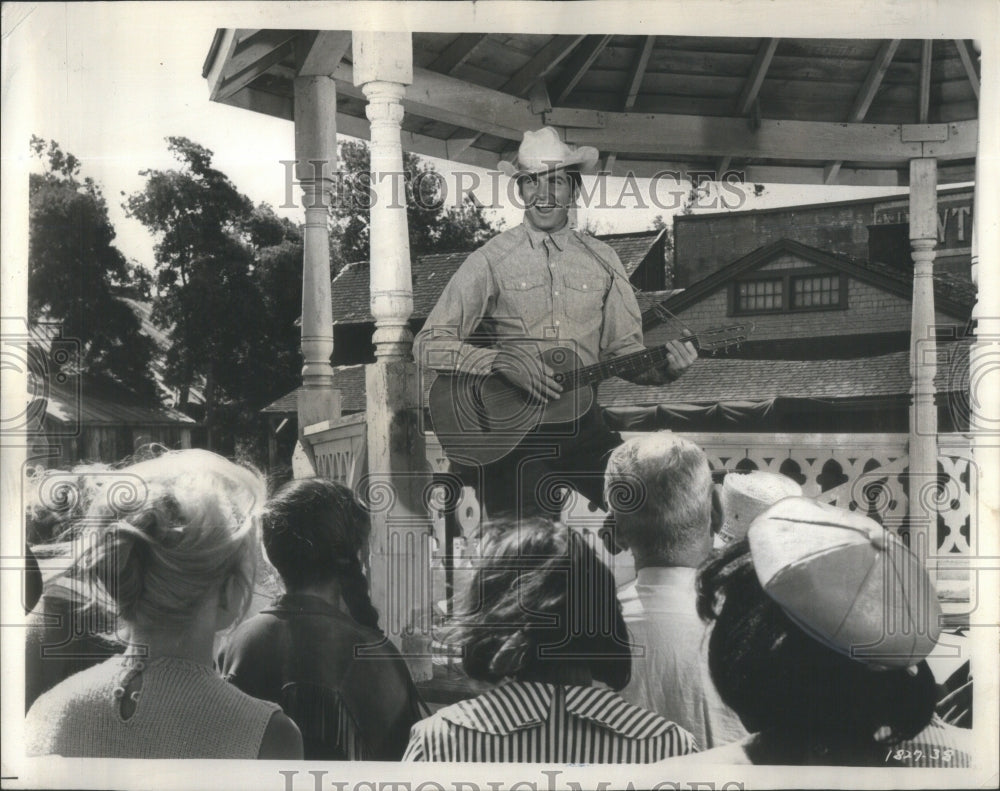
column 526, row 373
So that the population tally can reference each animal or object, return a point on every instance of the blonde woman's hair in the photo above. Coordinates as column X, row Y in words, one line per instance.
column 160, row 535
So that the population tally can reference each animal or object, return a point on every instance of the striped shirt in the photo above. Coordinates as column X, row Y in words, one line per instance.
column 527, row 722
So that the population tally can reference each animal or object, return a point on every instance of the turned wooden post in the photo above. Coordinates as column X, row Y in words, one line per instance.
column 923, row 449
column 315, row 165
column 398, row 473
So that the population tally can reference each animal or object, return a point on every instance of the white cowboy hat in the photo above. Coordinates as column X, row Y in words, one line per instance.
column 746, row 496
column 543, row 151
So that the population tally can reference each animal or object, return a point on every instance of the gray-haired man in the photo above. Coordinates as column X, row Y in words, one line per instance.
column 659, row 487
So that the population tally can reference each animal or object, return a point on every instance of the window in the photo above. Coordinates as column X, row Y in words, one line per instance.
column 815, row 291
column 789, row 290
column 759, row 295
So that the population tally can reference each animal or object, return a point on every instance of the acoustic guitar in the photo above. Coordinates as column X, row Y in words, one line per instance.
column 479, row 419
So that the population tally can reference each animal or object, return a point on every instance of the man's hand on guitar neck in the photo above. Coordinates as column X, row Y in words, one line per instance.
column 679, row 358
column 530, row 375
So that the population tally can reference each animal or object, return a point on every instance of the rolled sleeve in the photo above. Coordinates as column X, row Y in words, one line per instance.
column 441, row 344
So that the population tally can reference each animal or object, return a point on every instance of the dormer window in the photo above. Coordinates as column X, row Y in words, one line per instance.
column 791, row 290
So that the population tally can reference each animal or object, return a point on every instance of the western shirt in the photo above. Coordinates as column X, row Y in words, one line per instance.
column 532, row 722
column 670, row 658
column 557, row 289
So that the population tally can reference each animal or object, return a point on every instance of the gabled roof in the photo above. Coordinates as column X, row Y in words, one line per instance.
column 431, row 272
column 952, row 295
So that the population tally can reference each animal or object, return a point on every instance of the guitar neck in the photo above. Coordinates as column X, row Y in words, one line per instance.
column 624, row 366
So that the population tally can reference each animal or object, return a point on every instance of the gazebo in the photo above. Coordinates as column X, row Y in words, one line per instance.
column 892, row 112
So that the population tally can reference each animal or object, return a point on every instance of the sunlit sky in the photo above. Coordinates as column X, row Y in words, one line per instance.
column 112, row 81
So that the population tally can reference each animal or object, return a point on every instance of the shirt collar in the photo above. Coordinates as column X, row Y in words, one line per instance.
column 558, row 239
column 518, row 704
column 672, row 576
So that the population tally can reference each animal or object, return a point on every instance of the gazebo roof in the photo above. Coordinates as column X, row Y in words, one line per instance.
column 845, row 111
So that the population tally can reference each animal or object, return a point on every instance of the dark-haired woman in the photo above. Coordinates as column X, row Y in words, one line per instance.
column 821, row 622
column 542, row 618
column 169, row 547
column 318, row 651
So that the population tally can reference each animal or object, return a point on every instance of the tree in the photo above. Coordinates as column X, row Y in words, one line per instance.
column 433, row 227
column 75, row 272
column 207, row 299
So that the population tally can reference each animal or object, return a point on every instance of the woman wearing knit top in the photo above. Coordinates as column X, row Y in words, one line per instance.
column 169, row 546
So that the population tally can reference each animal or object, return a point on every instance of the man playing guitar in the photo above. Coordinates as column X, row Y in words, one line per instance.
column 533, row 287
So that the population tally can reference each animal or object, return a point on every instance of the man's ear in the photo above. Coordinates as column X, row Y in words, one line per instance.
column 718, row 513
column 614, row 539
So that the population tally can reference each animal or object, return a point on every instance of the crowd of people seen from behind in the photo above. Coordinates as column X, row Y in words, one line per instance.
column 761, row 626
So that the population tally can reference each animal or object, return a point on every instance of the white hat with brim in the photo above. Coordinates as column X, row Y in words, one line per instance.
column 745, row 496
column 542, row 151
column 846, row 581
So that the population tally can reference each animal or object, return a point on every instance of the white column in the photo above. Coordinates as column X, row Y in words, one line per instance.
column 383, row 67
column 398, row 472
column 923, row 362
column 315, row 165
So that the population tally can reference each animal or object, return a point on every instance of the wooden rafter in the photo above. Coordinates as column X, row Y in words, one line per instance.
column 540, row 65
column 457, row 52
column 880, row 65
column 576, row 66
column 319, row 52
column 970, row 69
column 758, row 71
column 252, row 56
column 872, row 82
column 923, row 111
column 636, row 73
column 544, row 61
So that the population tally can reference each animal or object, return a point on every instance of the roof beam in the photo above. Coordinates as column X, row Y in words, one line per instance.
column 319, row 52
column 251, row 57
column 872, row 82
column 761, row 63
column 453, row 101
column 970, row 68
column 865, row 96
column 923, row 109
column 546, row 59
column 583, row 58
column 457, row 52
column 638, row 71
column 695, row 135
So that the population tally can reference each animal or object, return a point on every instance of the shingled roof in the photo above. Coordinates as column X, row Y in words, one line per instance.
column 713, row 380
column 91, row 400
column 431, row 272
column 952, row 294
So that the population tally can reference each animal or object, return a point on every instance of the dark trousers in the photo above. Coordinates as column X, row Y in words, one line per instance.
column 530, row 480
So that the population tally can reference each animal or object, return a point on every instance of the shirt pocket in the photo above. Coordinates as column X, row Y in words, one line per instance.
column 523, row 300
column 584, row 299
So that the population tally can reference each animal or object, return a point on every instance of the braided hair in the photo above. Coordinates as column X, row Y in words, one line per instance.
column 314, row 532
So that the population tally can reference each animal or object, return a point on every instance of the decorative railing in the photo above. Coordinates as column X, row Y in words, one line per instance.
column 866, row 472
